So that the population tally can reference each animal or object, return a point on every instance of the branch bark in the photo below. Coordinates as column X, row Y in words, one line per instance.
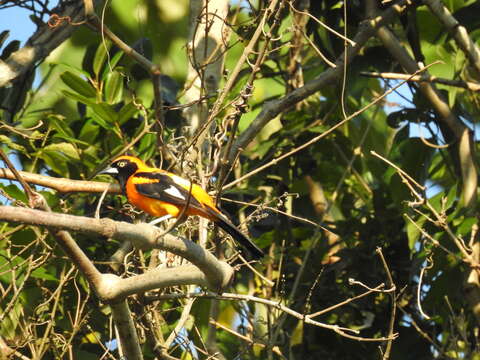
column 63, row 185
column 41, row 44
column 213, row 273
column 126, row 330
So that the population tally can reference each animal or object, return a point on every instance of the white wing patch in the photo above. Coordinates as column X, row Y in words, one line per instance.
column 173, row 191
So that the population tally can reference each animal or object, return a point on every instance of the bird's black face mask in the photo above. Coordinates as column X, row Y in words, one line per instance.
column 121, row 171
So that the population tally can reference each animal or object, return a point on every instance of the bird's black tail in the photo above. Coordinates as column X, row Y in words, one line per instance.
column 232, row 230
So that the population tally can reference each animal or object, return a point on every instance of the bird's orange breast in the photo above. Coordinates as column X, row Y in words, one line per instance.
column 151, row 206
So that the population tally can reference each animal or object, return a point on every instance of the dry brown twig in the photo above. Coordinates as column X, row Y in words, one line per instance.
column 469, row 85
column 393, row 297
column 308, row 319
column 439, row 220
column 325, row 133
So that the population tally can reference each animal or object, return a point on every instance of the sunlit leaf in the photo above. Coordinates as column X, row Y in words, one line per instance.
column 113, row 87
column 100, row 57
column 78, row 84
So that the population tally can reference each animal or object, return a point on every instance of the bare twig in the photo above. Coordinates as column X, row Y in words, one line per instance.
column 393, row 297
column 322, row 135
column 28, row 190
column 438, row 219
column 469, row 85
column 346, row 332
column 419, row 288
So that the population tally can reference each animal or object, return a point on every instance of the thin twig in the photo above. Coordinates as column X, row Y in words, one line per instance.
column 393, row 297
column 351, row 42
column 346, row 332
column 322, row 135
column 469, row 85
column 28, row 190
column 419, row 288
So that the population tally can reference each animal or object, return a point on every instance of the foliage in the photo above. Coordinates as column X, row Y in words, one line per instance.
column 93, row 102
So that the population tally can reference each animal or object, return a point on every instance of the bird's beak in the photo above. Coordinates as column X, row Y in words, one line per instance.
column 109, row 171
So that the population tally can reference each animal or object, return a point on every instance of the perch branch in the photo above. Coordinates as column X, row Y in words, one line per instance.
column 61, row 184
column 217, row 273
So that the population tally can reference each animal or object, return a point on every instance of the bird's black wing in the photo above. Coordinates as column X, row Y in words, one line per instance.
column 162, row 187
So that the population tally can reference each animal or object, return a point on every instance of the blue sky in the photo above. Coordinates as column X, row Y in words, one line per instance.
column 18, row 22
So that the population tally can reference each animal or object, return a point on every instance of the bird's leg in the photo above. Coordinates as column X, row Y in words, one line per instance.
column 160, row 219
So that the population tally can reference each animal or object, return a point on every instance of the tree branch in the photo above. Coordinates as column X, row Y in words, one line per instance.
column 308, row 319
column 217, row 274
column 61, row 184
column 126, row 330
column 40, row 44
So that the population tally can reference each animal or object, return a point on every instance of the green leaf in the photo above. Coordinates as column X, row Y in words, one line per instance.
column 79, row 98
column 79, row 85
column 42, row 273
column 105, row 112
column 15, row 192
column 465, row 225
column 65, row 148
column 89, row 131
column 100, row 121
column 147, row 145
column 59, row 123
column 100, row 57
column 112, row 64
column 413, row 231
column 126, row 113
column 318, row 129
column 55, row 161
column 113, row 87
column 11, row 144
column 264, row 147
column 296, row 338
column 74, row 69
column 72, row 140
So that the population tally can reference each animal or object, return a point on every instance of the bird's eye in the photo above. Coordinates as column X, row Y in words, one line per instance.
column 122, row 164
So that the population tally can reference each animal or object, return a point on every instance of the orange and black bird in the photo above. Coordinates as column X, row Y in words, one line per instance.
column 165, row 195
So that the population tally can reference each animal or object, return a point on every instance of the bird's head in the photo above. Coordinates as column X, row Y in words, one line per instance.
column 122, row 168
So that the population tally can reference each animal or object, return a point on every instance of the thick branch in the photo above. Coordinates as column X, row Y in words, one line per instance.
column 40, row 44
column 163, row 277
column 217, row 273
column 126, row 330
column 62, row 184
